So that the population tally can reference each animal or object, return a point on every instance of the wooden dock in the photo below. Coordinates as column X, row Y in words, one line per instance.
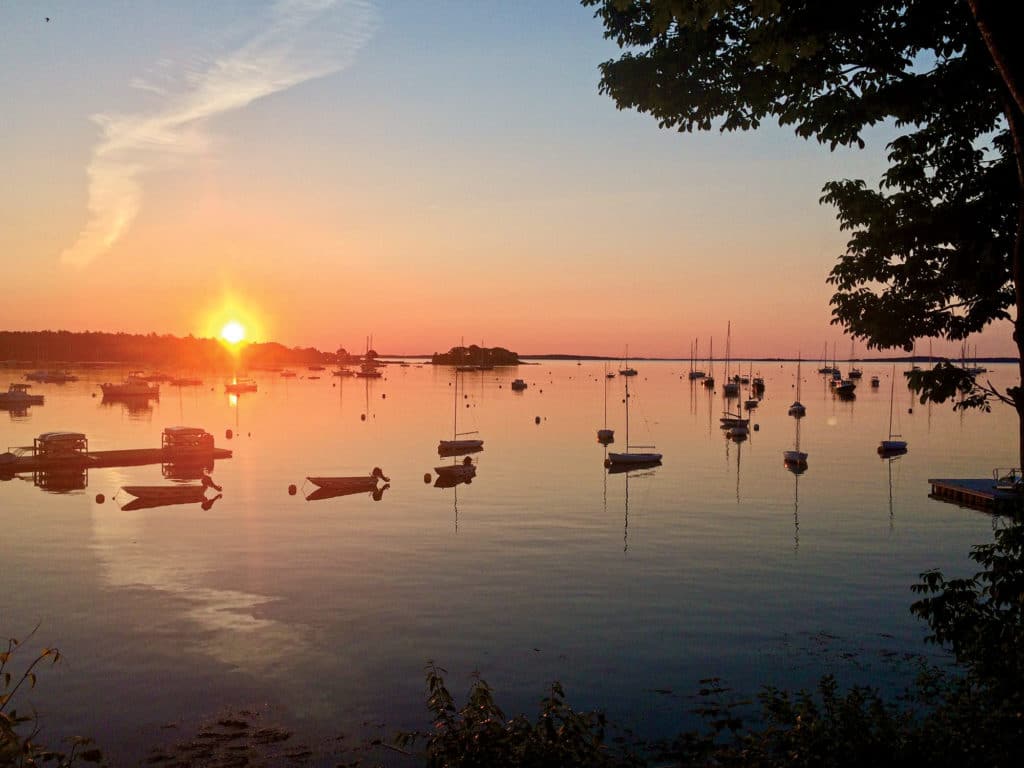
column 132, row 457
column 977, row 493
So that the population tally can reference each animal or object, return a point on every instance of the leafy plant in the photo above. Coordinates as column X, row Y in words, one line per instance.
column 19, row 744
column 479, row 733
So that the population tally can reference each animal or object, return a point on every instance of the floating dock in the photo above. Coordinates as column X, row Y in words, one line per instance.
column 978, row 493
column 132, row 457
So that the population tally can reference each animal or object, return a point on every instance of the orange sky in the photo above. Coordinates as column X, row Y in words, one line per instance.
column 320, row 172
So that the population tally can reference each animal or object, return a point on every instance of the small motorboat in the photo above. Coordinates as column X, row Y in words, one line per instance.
column 518, row 385
column 462, row 472
column 178, row 494
column 17, row 395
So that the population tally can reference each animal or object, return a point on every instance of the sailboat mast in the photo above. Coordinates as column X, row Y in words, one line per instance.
column 627, row 414
column 892, row 394
column 606, row 395
column 455, row 409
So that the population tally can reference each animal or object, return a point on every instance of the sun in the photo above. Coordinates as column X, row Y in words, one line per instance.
column 233, row 332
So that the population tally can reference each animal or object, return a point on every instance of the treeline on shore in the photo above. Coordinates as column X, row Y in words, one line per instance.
column 474, row 355
column 49, row 348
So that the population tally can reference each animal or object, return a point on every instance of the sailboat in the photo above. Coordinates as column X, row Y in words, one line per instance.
column 826, row 368
column 631, row 457
column 709, row 380
column 605, row 435
column 694, row 373
column 752, row 401
column 797, row 408
column 731, row 388
column 795, row 460
column 855, row 373
column 456, row 446
column 892, row 447
column 626, row 370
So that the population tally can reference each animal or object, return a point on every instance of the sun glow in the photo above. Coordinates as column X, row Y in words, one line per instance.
column 233, row 332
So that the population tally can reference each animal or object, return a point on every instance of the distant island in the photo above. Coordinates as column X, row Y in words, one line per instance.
column 484, row 357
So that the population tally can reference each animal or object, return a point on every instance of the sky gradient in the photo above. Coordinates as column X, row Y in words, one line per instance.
column 323, row 170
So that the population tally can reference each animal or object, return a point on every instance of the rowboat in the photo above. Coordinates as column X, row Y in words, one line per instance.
column 354, row 484
column 180, row 494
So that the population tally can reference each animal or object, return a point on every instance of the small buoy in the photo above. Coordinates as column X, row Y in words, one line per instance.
column 94, row 394
column 228, row 434
column 536, row 420
column 383, row 396
column 100, row 498
column 542, row 391
column 248, row 434
column 362, row 417
column 426, row 477
column 292, row 489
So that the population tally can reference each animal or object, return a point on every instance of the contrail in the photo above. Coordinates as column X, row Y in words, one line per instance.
column 296, row 41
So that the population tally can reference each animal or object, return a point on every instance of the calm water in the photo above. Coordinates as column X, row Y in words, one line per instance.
column 545, row 567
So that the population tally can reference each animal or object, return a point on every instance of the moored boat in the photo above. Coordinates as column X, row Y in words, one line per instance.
column 134, row 385
column 353, row 484
column 17, row 395
column 238, row 386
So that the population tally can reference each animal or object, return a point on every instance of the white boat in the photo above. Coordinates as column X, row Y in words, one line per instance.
column 518, row 385
column 458, row 445
column 892, row 447
column 134, row 385
column 17, row 395
column 628, row 456
column 797, row 409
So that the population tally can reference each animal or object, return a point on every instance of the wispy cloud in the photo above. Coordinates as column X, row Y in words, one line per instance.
column 296, row 41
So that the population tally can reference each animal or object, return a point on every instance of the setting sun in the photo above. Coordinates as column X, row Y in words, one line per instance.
column 232, row 332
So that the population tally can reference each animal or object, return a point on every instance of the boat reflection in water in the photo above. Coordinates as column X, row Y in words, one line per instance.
column 135, row 407
column 187, row 469
column 332, row 493
column 62, row 480
column 637, row 469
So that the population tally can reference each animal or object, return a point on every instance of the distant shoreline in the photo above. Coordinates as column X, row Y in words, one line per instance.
column 96, row 349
